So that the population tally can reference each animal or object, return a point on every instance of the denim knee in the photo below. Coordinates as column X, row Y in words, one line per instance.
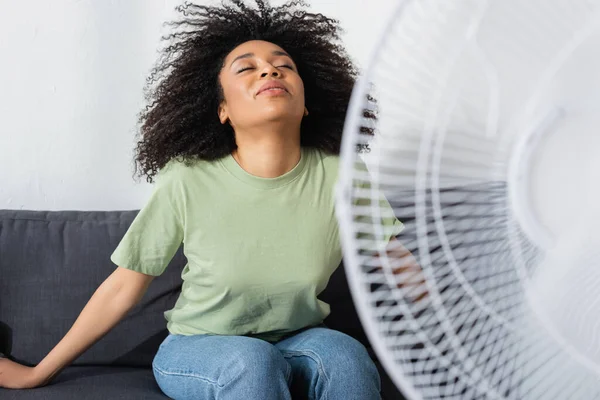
column 339, row 358
column 187, row 367
column 351, row 359
column 259, row 360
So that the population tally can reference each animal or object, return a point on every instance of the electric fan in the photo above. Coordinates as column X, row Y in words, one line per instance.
column 486, row 148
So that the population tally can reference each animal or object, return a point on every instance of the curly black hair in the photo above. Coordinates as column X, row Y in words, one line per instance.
column 183, row 91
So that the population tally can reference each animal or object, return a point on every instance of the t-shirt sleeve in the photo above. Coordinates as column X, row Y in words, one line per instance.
column 373, row 211
column 156, row 233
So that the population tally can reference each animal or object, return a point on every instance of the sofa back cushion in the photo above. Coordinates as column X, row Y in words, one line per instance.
column 50, row 265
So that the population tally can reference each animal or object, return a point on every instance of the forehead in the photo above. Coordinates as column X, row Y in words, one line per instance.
column 258, row 47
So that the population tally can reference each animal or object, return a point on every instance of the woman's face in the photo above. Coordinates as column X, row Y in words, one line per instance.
column 247, row 74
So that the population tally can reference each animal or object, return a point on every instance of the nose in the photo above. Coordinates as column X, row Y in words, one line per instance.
column 270, row 70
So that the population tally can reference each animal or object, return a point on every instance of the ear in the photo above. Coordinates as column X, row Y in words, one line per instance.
column 223, row 116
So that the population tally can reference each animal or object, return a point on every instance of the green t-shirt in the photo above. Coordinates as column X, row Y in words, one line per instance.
column 259, row 250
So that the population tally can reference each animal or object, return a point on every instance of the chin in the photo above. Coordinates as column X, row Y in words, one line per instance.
column 273, row 115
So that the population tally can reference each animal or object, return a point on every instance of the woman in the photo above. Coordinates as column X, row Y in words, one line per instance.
column 242, row 134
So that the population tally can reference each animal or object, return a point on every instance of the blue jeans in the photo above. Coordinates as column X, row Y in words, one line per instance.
column 316, row 363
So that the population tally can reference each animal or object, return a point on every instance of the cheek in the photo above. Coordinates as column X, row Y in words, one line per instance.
column 237, row 98
column 300, row 87
column 237, row 92
column 301, row 99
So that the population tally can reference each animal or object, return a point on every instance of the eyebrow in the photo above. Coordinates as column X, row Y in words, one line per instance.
column 249, row 55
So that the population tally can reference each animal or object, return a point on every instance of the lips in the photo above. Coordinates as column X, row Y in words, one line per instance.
column 271, row 85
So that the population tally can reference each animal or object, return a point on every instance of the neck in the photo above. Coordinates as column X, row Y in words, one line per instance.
column 268, row 155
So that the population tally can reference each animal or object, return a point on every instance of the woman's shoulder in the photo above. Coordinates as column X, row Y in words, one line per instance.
column 325, row 158
column 178, row 169
column 331, row 162
column 171, row 170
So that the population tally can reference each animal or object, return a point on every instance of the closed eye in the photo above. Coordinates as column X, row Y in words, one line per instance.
column 281, row 66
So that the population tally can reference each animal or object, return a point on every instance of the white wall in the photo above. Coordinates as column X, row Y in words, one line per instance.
column 71, row 78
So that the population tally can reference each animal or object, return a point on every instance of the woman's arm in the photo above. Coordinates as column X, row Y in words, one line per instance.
column 113, row 299
column 407, row 269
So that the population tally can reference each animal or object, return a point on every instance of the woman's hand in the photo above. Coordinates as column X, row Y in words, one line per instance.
column 16, row 376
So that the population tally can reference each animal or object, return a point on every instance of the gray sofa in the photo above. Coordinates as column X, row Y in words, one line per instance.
column 50, row 265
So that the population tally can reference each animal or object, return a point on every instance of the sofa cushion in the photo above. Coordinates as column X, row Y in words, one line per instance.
column 94, row 383
column 50, row 265
column 115, row 383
